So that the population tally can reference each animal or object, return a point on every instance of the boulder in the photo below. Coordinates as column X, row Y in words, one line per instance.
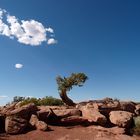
column 115, row 105
column 93, row 115
column 18, row 104
column 121, row 118
column 33, row 120
column 35, row 123
column 47, row 108
column 15, row 125
column 107, row 107
column 89, row 104
column 74, row 120
column 67, row 112
column 92, row 105
column 48, row 116
column 43, row 115
column 137, row 110
column 40, row 125
column 127, row 106
column 7, row 109
column 25, row 111
column 54, row 116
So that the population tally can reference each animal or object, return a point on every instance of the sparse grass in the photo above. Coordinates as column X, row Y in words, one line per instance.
column 136, row 128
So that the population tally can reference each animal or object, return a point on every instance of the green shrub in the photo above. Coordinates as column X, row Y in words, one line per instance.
column 48, row 100
column 29, row 100
column 116, row 99
column 136, row 128
column 18, row 99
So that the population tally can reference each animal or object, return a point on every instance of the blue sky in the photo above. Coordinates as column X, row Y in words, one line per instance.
column 100, row 38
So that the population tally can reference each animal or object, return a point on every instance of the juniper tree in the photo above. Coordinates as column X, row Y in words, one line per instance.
column 66, row 84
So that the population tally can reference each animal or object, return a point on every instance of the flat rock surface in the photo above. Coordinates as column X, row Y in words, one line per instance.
column 72, row 133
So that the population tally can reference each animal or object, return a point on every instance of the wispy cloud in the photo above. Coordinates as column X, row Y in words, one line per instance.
column 51, row 41
column 18, row 66
column 49, row 30
column 3, row 96
column 29, row 32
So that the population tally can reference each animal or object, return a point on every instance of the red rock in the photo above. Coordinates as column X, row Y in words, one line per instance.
column 74, row 120
column 121, row 118
column 25, row 111
column 15, row 125
column 67, row 112
column 127, row 106
column 137, row 110
column 40, row 125
column 93, row 115
column 33, row 120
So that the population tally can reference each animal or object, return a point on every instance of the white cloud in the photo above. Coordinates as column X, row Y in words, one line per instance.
column 51, row 41
column 3, row 96
column 29, row 32
column 18, row 66
column 34, row 33
column 1, row 13
column 4, row 29
column 49, row 30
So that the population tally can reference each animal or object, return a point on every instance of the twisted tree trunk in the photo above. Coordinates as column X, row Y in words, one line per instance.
column 66, row 99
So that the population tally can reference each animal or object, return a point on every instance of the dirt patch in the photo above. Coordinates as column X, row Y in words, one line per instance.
column 70, row 133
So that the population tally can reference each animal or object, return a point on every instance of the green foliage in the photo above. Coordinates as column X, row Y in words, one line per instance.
column 18, row 99
column 66, row 84
column 136, row 128
column 116, row 99
column 48, row 100
column 29, row 100
column 76, row 79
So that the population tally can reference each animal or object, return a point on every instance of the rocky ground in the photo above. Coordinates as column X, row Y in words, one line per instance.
column 105, row 119
column 72, row 133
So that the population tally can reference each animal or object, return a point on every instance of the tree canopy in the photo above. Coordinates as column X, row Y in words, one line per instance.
column 66, row 84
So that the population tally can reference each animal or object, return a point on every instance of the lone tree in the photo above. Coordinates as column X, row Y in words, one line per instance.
column 66, row 84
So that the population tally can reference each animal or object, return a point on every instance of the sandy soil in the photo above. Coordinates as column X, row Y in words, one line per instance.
column 68, row 133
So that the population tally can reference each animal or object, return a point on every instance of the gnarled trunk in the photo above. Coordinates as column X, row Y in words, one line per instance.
column 66, row 99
